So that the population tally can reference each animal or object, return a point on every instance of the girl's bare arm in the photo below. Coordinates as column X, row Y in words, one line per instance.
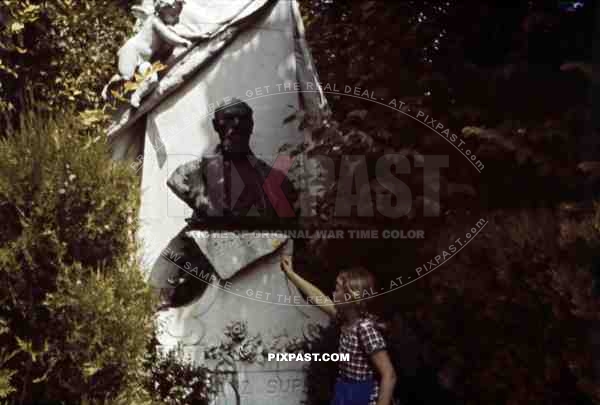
column 314, row 295
column 384, row 366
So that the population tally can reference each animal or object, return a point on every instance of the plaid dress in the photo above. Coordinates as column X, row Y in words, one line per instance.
column 360, row 340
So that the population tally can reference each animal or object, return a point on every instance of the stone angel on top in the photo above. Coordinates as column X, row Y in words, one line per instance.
column 153, row 34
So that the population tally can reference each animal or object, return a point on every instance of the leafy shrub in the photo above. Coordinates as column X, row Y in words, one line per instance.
column 65, row 51
column 175, row 381
column 75, row 312
column 520, row 282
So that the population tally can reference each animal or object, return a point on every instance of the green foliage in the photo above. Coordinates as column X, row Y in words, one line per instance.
column 64, row 50
column 5, row 388
column 518, row 275
column 76, row 313
column 124, row 89
column 174, row 380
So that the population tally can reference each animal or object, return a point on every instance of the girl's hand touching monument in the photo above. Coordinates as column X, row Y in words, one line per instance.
column 310, row 290
column 286, row 264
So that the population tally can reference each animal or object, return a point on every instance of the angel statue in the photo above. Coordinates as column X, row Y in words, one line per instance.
column 154, row 32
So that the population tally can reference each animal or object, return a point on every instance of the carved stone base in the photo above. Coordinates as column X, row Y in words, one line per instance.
column 236, row 321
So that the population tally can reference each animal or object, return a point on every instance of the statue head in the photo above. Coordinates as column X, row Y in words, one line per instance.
column 168, row 10
column 234, row 124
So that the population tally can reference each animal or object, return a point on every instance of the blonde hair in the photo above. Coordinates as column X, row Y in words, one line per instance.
column 355, row 282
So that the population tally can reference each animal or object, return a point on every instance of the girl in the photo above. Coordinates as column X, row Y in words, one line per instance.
column 360, row 337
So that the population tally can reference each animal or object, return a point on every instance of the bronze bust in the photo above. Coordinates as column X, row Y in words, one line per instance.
column 229, row 189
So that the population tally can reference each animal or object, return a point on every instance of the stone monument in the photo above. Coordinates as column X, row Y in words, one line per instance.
column 247, row 310
column 247, row 307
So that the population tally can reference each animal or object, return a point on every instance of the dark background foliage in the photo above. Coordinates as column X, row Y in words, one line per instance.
column 509, row 318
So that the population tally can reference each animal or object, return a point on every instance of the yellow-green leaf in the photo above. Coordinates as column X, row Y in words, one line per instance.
column 130, row 86
column 16, row 27
column 89, row 369
column 158, row 66
column 26, row 346
column 5, row 388
column 32, row 8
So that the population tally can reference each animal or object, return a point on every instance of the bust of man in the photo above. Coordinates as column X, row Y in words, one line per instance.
column 228, row 189
column 233, row 186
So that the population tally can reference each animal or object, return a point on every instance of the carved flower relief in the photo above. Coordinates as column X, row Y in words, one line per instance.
column 219, row 351
column 227, row 345
column 295, row 345
column 312, row 333
column 246, row 352
column 237, row 330
column 278, row 344
column 212, row 352
column 239, row 346
column 251, row 350
column 283, row 343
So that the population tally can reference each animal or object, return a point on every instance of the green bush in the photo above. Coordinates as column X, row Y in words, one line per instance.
column 64, row 51
column 174, row 380
column 75, row 312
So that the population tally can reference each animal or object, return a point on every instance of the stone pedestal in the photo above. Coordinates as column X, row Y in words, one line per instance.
column 238, row 320
column 275, row 383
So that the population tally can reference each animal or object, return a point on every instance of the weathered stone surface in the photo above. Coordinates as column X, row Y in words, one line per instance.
column 274, row 312
column 229, row 252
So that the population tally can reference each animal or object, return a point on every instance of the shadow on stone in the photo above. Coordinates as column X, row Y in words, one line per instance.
column 181, row 273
